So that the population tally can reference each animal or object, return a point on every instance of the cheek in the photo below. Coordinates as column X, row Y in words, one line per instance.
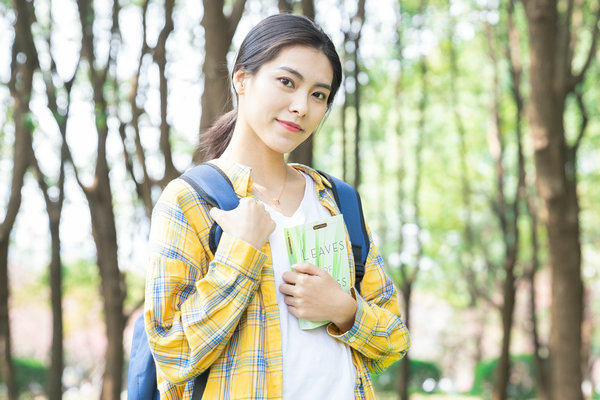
column 319, row 115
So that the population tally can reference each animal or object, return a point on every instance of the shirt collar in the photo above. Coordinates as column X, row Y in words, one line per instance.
column 240, row 177
column 238, row 174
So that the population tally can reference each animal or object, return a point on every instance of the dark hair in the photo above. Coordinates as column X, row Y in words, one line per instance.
column 261, row 45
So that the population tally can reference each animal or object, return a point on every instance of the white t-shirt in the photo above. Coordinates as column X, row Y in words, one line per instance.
column 315, row 365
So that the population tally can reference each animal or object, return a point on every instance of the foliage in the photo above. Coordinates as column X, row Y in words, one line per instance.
column 30, row 375
column 522, row 382
column 420, row 371
column 78, row 276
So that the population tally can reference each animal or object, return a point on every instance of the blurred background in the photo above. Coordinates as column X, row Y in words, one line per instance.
column 470, row 127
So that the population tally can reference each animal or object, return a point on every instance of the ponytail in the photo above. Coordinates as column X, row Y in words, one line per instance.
column 216, row 139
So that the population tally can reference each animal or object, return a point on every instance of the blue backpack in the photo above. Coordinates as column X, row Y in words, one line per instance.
column 214, row 187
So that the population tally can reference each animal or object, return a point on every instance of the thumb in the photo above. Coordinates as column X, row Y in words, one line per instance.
column 216, row 214
column 307, row 268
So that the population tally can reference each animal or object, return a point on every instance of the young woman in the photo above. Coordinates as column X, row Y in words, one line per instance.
column 236, row 312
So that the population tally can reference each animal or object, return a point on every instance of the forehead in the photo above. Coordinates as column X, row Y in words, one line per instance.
column 312, row 63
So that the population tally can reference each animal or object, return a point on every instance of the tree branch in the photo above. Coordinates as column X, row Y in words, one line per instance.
column 236, row 15
column 584, row 121
column 61, row 120
column 578, row 78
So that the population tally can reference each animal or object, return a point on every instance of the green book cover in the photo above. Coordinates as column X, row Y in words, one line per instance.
column 322, row 243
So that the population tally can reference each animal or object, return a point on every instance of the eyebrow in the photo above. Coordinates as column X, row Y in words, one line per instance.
column 301, row 77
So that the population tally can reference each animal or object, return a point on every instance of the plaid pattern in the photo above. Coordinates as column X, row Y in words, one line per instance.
column 221, row 312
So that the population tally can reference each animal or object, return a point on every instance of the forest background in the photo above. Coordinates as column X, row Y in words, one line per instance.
column 470, row 127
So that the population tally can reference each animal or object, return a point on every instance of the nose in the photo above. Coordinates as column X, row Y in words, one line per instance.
column 299, row 104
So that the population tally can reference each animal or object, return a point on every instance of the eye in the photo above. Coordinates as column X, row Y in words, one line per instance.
column 320, row 96
column 286, row 82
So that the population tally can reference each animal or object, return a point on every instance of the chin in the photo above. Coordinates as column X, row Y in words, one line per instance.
column 285, row 147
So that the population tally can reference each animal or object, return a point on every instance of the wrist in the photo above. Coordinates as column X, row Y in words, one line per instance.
column 347, row 313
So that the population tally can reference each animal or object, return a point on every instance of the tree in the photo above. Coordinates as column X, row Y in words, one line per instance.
column 54, row 207
column 218, row 32
column 409, row 273
column 351, row 87
column 302, row 154
column 507, row 212
column 513, row 50
column 552, row 37
column 23, row 66
column 145, row 184
column 99, row 197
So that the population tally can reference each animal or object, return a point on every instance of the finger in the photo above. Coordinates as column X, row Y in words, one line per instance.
column 290, row 277
column 216, row 213
column 307, row 268
column 294, row 311
column 250, row 201
column 290, row 301
column 286, row 289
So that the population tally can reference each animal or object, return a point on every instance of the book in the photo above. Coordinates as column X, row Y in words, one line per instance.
column 322, row 243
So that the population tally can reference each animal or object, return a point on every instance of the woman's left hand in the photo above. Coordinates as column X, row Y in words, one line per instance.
column 312, row 294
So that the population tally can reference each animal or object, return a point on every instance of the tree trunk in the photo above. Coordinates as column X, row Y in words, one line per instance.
column 105, row 238
column 218, row 32
column 540, row 365
column 360, row 19
column 405, row 363
column 160, row 57
column 99, row 197
column 303, row 154
column 285, row 6
column 112, row 284
column 556, row 183
column 507, row 213
column 503, row 369
column 344, row 113
column 357, row 168
column 54, row 379
column 20, row 86
column 409, row 276
column 404, row 370
column 308, row 9
column 7, row 369
column 343, row 128
column 54, row 210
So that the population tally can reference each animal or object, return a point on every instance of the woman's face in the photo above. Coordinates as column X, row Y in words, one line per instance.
column 286, row 99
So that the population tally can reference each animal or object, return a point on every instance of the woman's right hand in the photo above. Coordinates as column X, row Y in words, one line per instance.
column 249, row 221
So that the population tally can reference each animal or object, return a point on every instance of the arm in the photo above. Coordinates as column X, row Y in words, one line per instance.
column 378, row 333
column 193, row 306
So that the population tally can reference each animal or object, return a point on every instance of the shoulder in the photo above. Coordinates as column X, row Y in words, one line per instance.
column 180, row 202
column 321, row 179
column 181, row 194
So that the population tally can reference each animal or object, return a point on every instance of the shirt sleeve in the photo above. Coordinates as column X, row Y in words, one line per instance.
column 192, row 305
column 378, row 334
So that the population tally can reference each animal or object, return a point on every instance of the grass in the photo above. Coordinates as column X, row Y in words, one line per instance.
column 418, row 396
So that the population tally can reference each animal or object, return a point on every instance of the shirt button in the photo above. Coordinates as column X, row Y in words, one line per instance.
column 351, row 339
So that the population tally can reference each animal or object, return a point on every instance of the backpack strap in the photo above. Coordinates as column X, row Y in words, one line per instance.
column 348, row 201
column 216, row 189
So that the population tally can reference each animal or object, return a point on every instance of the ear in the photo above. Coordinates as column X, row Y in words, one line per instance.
column 240, row 78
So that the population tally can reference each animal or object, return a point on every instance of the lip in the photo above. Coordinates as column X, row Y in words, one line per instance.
column 290, row 126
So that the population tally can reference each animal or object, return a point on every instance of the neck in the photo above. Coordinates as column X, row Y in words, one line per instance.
column 267, row 165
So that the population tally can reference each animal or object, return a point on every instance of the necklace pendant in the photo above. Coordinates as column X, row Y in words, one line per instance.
column 275, row 202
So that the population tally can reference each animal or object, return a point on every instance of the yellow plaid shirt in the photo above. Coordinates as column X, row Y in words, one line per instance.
column 220, row 312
